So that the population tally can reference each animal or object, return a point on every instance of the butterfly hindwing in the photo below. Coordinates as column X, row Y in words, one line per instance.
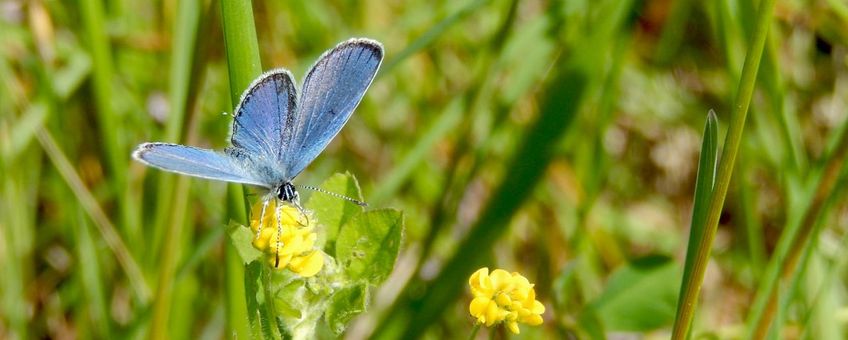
column 196, row 162
column 331, row 91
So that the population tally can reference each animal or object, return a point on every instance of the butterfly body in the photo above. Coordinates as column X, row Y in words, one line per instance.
column 287, row 192
column 276, row 134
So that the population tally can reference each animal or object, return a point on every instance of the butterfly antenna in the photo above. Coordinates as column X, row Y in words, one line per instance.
column 352, row 200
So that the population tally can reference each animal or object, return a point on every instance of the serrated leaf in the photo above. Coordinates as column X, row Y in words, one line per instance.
column 333, row 212
column 639, row 297
column 242, row 239
column 344, row 305
column 367, row 246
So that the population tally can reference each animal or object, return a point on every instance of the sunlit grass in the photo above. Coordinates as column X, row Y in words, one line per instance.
column 556, row 139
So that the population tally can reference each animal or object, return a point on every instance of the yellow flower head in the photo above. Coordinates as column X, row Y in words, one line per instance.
column 286, row 234
column 504, row 297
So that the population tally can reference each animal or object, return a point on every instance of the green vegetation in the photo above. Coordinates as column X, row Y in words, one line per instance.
column 569, row 141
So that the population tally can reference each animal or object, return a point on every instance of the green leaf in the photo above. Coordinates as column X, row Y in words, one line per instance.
column 590, row 325
column 367, row 245
column 299, row 302
column 344, row 305
column 641, row 296
column 289, row 300
column 704, row 182
column 253, row 285
column 242, row 239
column 333, row 212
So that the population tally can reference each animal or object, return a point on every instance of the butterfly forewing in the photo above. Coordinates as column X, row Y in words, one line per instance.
column 197, row 162
column 264, row 118
column 331, row 91
column 275, row 135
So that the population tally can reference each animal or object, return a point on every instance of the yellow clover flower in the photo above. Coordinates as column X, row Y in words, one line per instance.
column 296, row 246
column 501, row 297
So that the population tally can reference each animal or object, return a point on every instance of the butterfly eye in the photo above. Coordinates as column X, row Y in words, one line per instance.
column 279, row 192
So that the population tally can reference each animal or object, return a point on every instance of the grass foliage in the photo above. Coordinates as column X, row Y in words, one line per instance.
column 565, row 140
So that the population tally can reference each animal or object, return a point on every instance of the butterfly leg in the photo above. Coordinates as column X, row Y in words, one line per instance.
column 305, row 216
column 302, row 212
column 262, row 217
column 296, row 203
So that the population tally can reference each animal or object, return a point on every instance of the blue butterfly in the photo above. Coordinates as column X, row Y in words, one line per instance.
column 276, row 134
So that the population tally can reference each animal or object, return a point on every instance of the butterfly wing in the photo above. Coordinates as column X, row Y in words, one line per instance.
column 331, row 91
column 197, row 162
column 264, row 117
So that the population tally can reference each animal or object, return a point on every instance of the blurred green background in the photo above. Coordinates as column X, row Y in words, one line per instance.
column 559, row 139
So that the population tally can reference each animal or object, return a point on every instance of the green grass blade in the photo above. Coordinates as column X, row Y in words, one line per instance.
column 725, row 170
column 104, row 225
column 793, row 243
column 270, row 327
column 243, row 64
column 204, row 246
column 91, row 279
column 703, row 190
column 826, row 294
column 186, row 26
column 23, row 132
column 168, row 261
column 236, row 306
column 108, row 122
column 729, row 35
column 673, row 30
column 749, row 198
column 179, row 79
column 430, row 36
column 787, row 120
column 16, row 248
column 173, row 197
column 446, row 122
column 243, row 61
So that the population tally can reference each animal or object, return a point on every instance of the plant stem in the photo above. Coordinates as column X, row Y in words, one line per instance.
column 168, row 262
column 704, row 184
column 110, row 129
column 242, row 48
column 800, row 237
column 474, row 331
column 244, row 65
column 728, row 158
column 173, row 198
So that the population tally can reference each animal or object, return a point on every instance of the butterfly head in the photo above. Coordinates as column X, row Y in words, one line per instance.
column 286, row 192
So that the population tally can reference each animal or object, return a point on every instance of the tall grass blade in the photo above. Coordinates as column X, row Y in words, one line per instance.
column 431, row 35
column 243, row 64
column 793, row 243
column 725, row 170
column 89, row 204
column 172, row 199
column 704, row 183
column 443, row 125
column 91, row 279
column 673, row 30
column 108, row 122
